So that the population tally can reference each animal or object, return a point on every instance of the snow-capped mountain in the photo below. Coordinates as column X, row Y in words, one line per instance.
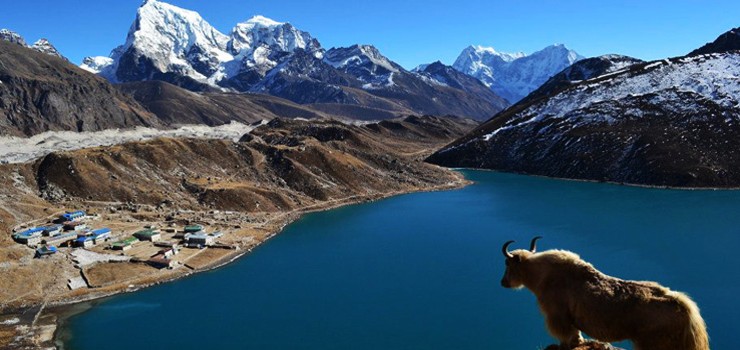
column 672, row 122
column 13, row 37
column 165, row 39
column 42, row 45
column 514, row 75
column 177, row 45
column 364, row 62
column 439, row 73
column 367, row 83
column 265, row 56
column 259, row 45
column 97, row 64
column 262, row 43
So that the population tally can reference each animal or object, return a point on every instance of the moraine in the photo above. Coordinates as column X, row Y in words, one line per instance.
column 423, row 270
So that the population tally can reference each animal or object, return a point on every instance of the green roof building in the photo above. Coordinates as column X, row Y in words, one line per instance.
column 147, row 235
column 124, row 243
column 193, row 228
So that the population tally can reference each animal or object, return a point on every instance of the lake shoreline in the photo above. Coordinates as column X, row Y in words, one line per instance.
column 62, row 311
column 626, row 184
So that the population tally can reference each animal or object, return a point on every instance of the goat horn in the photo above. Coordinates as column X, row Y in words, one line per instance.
column 505, row 250
column 533, row 245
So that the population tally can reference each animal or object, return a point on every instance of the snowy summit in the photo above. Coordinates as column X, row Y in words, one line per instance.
column 514, row 75
column 165, row 39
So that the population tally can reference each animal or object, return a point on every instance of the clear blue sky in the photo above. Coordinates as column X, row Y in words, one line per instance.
column 409, row 32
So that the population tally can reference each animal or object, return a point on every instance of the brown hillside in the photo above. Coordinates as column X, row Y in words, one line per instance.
column 39, row 92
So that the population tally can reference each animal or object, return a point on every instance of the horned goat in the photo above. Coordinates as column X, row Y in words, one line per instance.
column 575, row 297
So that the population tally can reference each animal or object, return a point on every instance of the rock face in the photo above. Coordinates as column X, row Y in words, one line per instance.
column 514, row 76
column 40, row 92
column 729, row 41
column 178, row 46
column 673, row 122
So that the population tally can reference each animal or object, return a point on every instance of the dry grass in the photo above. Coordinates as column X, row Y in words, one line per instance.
column 105, row 274
column 208, row 257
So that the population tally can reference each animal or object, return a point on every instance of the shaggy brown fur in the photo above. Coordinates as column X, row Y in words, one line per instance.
column 575, row 297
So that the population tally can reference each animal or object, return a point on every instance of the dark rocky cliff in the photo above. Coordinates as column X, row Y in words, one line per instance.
column 40, row 92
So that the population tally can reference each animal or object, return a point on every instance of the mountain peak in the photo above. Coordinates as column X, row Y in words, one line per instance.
column 261, row 43
column 172, row 39
column 483, row 51
column 513, row 76
column 358, row 55
column 44, row 46
column 263, row 21
column 11, row 36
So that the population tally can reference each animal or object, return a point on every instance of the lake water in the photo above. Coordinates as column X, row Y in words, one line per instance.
column 422, row 271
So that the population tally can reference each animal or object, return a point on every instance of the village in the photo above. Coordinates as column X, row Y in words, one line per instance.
column 79, row 231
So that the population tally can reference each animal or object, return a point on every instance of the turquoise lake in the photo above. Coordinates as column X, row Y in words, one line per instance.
column 423, row 271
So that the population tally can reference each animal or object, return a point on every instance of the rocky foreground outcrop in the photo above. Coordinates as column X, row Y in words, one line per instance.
column 590, row 345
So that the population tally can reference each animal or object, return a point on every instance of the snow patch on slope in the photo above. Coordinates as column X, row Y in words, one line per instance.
column 19, row 150
column 96, row 64
column 715, row 77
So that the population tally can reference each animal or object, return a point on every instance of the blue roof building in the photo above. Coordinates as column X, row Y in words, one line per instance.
column 73, row 215
column 30, row 236
column 52, row 230
column 61, row 239
column 31, row 231
column 101, row 231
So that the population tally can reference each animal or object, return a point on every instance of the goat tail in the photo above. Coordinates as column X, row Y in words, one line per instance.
column 694, row 335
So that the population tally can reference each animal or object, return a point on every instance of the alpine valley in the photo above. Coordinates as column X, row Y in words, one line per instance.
column 183, row 127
